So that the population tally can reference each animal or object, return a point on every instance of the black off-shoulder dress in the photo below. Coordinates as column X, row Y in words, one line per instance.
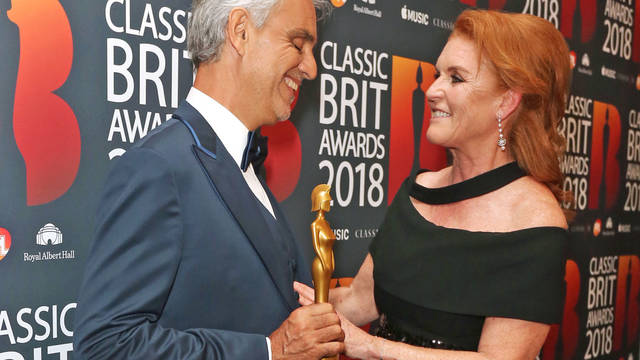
column 434, row 285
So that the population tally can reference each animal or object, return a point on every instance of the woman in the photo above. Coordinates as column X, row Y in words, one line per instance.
column 468, row 263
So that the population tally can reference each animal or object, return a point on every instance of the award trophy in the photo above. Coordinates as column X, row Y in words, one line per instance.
column 323, row 238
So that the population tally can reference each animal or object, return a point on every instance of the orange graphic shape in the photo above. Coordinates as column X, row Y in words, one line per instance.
column 284, row 160
column 626, row 310
column 636, row 38
column 572, row 59
column 338, row 3
column 570, row 320
column 567, row 332
column 5, row 242
column 612, row 176
column 588, row 15
column 401, row 136
column 46, row 129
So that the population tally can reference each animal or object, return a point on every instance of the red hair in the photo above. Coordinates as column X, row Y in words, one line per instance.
column 529, row 56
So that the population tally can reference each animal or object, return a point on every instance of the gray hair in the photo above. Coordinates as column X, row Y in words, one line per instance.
column 206, row 32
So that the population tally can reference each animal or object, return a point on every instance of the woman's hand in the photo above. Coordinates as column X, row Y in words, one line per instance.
column 306, row 293
column 357, row 343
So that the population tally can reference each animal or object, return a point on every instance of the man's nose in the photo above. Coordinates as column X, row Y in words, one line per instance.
column 308, row 66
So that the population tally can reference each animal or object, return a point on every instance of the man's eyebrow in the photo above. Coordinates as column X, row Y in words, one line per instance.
column 301, row 33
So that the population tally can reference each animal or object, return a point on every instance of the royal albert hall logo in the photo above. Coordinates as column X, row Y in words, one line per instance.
column 5, row 242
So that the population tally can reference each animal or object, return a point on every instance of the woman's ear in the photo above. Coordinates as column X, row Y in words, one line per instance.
column 510, row 101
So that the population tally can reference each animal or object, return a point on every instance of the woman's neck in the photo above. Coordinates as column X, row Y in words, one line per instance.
column 466, row 166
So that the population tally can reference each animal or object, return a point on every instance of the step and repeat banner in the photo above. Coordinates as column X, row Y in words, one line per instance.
column 80, row 81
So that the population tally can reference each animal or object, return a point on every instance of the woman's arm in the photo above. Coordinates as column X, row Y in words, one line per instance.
column 501, row 338
column 356, row 301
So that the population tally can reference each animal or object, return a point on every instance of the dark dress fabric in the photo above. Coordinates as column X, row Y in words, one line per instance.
column 439, row 283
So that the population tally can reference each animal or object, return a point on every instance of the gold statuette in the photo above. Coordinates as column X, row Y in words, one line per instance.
column 323, row 239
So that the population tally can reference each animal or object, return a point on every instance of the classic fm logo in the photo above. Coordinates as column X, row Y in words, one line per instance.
column 5, row 242
column 45, row 127
column 410, row 115
column 338, row 3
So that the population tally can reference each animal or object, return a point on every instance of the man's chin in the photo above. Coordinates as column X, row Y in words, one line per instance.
column 283, row 117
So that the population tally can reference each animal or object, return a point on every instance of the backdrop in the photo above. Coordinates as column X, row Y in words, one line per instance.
column 80, row 81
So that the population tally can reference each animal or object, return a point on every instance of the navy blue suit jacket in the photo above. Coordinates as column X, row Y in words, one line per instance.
column 182, row 265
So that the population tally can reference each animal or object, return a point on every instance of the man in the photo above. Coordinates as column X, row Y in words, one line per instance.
column 193, row 258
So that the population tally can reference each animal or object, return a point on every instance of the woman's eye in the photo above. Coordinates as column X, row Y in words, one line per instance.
column 456, row 79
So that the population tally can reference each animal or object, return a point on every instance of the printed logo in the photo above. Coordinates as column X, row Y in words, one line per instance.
column 578, row 19
column 49, row 235
column 597, row 227
column 562, row 341
column 585, row 60
column 608, row 228
column 338, row 3
column 627, row 316
column 51, row 148
column 572, row 59
column 604, row 174
column 414, row 16
column 367, row 10
column 638, row 78
column 410, row 116
column 624, row 228
column 616, row 75
column 606, row 72
column 585, row 64
column 283, row 164
column 5, row 242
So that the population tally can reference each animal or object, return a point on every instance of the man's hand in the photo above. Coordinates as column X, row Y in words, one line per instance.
column 310, row 332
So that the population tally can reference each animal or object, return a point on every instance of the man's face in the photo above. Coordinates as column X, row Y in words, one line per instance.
column 279, row 57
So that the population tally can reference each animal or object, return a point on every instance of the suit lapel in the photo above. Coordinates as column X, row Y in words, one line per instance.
column 230, row 185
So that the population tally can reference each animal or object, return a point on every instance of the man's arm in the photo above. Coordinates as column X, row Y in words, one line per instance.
column 131, row 269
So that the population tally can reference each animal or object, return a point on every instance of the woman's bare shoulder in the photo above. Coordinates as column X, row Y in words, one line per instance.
column 534, row 205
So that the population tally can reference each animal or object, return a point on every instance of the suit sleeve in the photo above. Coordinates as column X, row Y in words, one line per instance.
column 130, row 271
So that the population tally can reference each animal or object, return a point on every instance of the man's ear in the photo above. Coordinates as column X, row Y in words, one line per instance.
column 510, row 101
column 237, row 29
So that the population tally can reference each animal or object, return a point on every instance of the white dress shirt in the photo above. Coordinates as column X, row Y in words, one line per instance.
column 234, row 136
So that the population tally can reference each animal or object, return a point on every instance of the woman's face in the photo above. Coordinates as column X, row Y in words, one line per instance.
column 464, row 98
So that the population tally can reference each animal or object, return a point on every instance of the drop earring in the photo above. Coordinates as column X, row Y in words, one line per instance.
column 502, row 142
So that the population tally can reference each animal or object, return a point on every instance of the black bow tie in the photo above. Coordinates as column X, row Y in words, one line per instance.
column 255, row 152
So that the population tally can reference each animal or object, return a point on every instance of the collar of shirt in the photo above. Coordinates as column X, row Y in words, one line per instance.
column 230, row 130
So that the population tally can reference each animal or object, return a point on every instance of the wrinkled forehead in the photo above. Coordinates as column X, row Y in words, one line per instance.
column 294, row 14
